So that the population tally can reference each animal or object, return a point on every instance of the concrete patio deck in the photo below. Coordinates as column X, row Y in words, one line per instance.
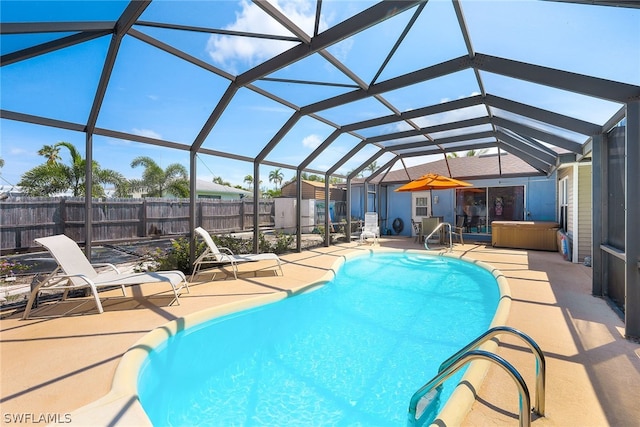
column 54, row 366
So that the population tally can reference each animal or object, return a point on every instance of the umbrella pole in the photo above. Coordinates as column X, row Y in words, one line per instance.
column 431, row 205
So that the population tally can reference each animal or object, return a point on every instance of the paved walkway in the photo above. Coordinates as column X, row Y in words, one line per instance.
column 51, row 367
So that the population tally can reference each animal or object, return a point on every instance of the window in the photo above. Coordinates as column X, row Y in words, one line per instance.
column 479, row 206
column 422, row 205
column 563, row 203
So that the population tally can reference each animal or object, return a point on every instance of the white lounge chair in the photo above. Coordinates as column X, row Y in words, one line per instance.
column 224, row 256
column 74, row 272
column 371, row 229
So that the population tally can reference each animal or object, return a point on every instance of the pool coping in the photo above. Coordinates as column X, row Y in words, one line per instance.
column 122, row 406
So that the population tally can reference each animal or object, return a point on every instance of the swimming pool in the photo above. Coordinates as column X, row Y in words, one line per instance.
column 350, row 353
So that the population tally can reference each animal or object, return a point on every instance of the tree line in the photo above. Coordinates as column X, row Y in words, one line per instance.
column 55, row 176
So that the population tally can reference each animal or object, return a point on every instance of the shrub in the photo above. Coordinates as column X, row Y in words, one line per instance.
column 283, row 241
column 177, row 256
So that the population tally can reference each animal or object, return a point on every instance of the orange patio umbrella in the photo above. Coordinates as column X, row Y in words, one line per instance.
column 433, row 181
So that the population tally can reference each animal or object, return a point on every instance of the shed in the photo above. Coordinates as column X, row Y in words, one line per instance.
column 314, row 190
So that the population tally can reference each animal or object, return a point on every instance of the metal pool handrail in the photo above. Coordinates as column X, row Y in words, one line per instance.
column 524, row 401
column 442, row 224
column 540, row 361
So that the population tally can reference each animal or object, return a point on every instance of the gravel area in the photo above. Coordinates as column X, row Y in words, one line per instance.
column 15, row 290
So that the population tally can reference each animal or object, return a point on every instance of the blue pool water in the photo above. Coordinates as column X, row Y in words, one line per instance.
column 351, row 353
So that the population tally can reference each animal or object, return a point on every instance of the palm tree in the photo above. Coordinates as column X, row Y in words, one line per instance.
column 470, row 153
column 249, row 180
column 219, row 180
column 474, row 153
column 156, row 181
column 372, row 167
column 276, row 176
column 55, row 177
column 1, row 162
column 51, row 153
column 359, row 175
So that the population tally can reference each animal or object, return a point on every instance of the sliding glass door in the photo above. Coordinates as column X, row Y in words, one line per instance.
column 477, row 207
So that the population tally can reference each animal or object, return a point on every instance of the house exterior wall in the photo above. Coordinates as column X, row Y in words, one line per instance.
column 539, row 195
column 217, row 195
column 540, row 200
column 585, row 208
column 399, row 206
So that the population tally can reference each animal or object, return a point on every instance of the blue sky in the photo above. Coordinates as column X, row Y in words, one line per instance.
column 155, row 94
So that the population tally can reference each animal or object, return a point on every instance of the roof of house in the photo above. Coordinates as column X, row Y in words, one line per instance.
column 312, row 183
column 464, row 168
column 212, row 187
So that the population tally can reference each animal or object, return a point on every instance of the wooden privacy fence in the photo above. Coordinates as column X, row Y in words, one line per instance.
column 26, row 218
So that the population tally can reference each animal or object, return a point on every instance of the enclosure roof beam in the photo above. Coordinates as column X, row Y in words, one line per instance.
column 556, row 140
column 346, row 157
column 545, row 116
column 613, row 3
column 573, row 82
column 320, row 148
column 124, row 23
column 51, row 46
column 431, row 129
column 418, row 76
column 363, row 20
column 419, row 112
column 197, row 29
column 56, row 27
column 37, row 120
column 366, row 163
column 445, row 150
column 536, row 149
column 523, row 151
column 441, row 141
column 180, row 54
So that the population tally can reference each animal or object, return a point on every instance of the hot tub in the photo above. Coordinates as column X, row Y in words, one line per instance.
column 540, row 235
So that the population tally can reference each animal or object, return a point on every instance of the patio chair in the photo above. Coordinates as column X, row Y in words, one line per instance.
column 224, row 256
column 417, row 229
column 370, row 228
column 75, row 272
column 473, row 223
column 458, row 229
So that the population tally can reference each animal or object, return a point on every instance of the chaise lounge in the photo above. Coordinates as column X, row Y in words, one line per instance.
column 224, row 256
column 74, row 271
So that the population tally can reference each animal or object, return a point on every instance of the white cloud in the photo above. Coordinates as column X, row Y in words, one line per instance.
column 228, row 50
column 312, row 141
column 147, row 133
column 341, row 50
